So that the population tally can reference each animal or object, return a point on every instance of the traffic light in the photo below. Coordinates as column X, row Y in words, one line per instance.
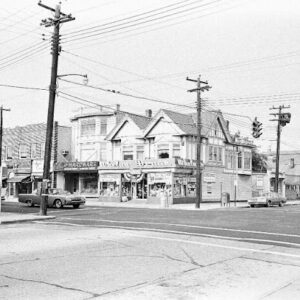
column 256, row 128
column 284, row 118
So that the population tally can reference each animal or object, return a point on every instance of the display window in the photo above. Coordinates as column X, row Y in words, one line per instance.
column 89, row 184
column 109, row 185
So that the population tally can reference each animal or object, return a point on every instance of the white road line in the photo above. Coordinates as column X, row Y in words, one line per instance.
column 180, row 232
column 187, row 226
column 182, row 240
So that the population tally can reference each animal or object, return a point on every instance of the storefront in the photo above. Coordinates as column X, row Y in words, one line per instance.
column 78, row 177
column 147, row 180
column 19, row 177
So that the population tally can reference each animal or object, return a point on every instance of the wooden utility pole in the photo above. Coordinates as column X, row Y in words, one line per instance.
column 282, row 119
column 199, row 89
column 58, row 19
column 1, row 134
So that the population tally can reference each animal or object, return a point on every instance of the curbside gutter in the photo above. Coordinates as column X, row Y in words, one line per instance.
column 15, row 218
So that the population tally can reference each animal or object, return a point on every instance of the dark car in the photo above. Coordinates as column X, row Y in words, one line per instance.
column 57, row 198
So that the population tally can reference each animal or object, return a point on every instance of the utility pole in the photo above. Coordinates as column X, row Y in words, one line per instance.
column 58, row 19
column 283, row 119
column 199, row 89
column 1, row 134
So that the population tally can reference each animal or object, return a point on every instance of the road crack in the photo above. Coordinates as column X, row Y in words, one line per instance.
column 50, row 284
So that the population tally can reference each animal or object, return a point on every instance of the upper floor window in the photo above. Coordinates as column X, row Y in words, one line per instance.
column 103, row 126
column 247, row 160
column 176, row 150
column 23, row 151
column 128, row 152
column 88, row 127
column 215, row 154
column 140, row 152
column 42, row 150
column 240, row 159
column 163, row 151
column 9, row 154
column 33, row 150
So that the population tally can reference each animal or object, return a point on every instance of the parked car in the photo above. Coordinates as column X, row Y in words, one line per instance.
column 57, row 198
column 267, row 199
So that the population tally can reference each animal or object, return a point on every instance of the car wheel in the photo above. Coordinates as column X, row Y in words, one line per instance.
column 29, row 203
column 269, row 203
column 280, row 204
column 252, row 205
column 58, row 204
column 76, row 205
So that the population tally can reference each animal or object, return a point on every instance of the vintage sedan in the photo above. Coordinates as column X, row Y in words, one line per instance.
column 267, row 199
column 57, row 198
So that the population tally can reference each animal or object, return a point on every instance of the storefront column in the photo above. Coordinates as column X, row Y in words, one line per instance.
column 80, row 184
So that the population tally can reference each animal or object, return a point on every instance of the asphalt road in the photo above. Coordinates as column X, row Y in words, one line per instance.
column 270, row 226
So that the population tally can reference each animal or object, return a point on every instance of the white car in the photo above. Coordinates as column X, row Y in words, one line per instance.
column 267, row 199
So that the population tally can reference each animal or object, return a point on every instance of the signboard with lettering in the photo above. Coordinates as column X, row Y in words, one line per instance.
column 77, row 166
column 147, row 164
column 209, row 177
column 160, row 178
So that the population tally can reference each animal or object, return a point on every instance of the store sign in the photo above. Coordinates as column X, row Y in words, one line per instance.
column 110, row 178
column 77, row 166
column 147, row 163
column 37, row 166
column 160, row 178
column 209, row 177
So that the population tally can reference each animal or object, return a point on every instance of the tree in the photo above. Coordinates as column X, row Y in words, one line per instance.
column 259, row 162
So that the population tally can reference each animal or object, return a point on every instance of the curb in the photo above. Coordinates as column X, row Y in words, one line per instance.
column 26, row 220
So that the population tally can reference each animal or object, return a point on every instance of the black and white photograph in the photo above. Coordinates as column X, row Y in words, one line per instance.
column 150, row 150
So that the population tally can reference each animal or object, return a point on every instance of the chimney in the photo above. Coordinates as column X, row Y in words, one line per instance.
column 148, row 113
column 118, row 107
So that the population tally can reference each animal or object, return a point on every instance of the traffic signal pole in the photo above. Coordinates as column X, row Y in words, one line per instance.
column 280, row 123
column 59, row 18
column 199, row 89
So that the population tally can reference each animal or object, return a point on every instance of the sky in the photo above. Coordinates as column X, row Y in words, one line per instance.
column 247, row 50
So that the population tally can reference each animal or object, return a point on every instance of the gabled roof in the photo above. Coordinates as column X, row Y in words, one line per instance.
column 187, row 123
column 140, row 121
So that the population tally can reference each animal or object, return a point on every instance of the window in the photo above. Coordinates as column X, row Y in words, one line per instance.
column 163, row 150
column 42, row 150
column 9, row 152
column 140, row 152
column 33, row 150
column 240, row 159
column 103, row 126
column 23, row 151
column 247, row 160
column 87, row 127
column 128, row 152
column 151, row 148
column 103, row 152
column 176, row 150
column 230, row 159
column 215, row 154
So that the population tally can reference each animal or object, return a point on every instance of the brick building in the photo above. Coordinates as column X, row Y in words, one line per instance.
column 23, row 155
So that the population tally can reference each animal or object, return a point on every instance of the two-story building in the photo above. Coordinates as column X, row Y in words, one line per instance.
column 23, row 155
column 149, row 155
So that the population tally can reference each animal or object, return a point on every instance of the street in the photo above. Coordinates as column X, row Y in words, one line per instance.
column 128, row 253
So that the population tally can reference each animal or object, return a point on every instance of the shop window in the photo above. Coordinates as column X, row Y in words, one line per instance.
column 23, row 151
column 109, row 189
column 163, row 151
column 140, row 152
column 103, row 126
column 247, row 160
column 89, row 184
column 127, row 152
column 33, row 150
column 210, row 153
column 240, row 159
column 9, row 152
column 176, row 150
column 88, row 127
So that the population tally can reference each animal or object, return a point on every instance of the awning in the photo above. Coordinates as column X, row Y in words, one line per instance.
column 19, row 178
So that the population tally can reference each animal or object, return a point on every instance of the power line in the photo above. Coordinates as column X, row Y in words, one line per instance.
column 22, row 87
